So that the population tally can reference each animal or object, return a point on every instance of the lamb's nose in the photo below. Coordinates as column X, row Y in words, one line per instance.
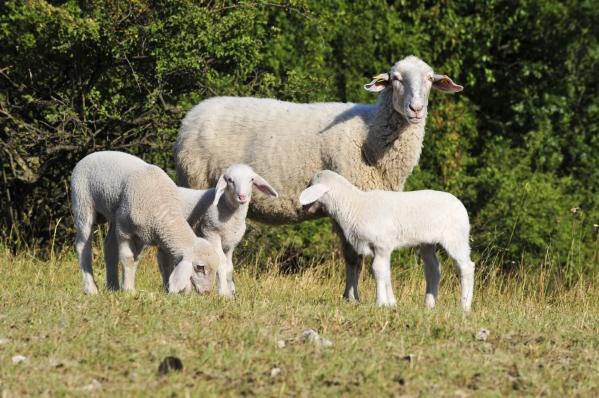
column 416, row 107
column 242, row 197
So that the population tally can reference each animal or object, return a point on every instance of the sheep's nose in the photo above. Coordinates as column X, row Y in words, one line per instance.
column 242, row 197
column 416, row 107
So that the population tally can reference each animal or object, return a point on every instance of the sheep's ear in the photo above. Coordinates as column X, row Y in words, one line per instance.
column 264, row 186
column 221, row 185
column 378, row 83
column 444, row 83
column 180, row 277
column 312, row 194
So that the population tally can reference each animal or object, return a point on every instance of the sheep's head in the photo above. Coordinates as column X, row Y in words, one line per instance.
column 196, row 271
column 313, row 198
column 411, row 80
column 236, row 184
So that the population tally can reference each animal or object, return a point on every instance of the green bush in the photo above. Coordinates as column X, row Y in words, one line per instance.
column 519, row 145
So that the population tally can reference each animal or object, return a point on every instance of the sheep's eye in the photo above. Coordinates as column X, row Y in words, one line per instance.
column 431, row 78
column 396, row 78
column 199, row 268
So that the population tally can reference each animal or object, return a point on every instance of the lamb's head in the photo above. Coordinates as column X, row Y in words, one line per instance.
column 196, row 271
column 314, row 197
column 411, row 80
column 236, row 185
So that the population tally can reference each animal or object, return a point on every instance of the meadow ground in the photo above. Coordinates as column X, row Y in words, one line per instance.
column 543, row 337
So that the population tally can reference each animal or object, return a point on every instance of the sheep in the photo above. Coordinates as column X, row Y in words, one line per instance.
column 218, row 214
column 377, row 222
column 141, row 205
column 375, row 146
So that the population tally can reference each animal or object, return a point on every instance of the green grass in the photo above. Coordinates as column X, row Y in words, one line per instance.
column 543, row 336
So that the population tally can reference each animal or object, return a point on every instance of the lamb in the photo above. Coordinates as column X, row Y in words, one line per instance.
column 141, row 205
column 375, row 146
column 218, row 214
column 377, row 222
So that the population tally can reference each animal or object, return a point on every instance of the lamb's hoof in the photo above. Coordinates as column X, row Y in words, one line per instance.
column 386, row 304
column 227, row 295
column 90, row 289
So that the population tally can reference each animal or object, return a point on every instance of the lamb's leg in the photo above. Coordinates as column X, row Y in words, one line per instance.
column 83, row 246
column 221, row 272
column 460, row 252
column 432, row 273
column 381, row 268
column 229, row 270
column 165, row 265
column 353, row 266
column 111, row 257
column 129, row 257
column 466, row 269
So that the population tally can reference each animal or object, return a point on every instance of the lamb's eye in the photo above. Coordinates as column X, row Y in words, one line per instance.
column 431, row 78
column 199, row 268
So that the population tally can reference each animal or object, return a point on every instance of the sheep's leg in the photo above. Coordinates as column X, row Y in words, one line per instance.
column 229, row 270
column 460, row 252
column 432, row 273
column 111, row 257
column 381, row 268
column 83, row 246
column 129, row 257
column 165, row 265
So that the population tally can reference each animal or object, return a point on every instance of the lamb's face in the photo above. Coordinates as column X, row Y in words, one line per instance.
column 314, row 199
column 239, row 179
column 204, row 262
column 237, row 182
column 411, row 80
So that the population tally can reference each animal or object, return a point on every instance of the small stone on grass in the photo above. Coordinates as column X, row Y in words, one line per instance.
column 170, row 364
column 18, row 359
column 482, row 335
column 312, row 336
column 281, row 343
column 274, row 372
column 94, row 385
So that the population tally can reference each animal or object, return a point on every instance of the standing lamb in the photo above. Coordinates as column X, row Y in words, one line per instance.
column 218, row 214
column 141, row 205
column 375, row 146
column 378, row 222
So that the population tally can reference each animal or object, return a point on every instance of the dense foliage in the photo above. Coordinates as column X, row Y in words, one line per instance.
column 519, row 145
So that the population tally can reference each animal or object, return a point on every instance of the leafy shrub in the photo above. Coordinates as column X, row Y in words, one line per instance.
column 518, row 146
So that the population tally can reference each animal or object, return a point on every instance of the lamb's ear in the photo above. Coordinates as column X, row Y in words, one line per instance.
column 221, row 185
column 312, row 194
column 378, row 83
column 444, row 83
column 180, row 278
column 264, row 186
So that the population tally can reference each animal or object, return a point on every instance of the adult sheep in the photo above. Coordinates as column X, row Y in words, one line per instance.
column 374, row 146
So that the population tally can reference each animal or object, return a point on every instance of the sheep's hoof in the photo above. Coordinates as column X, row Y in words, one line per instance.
column 429, row 301
column 386, row 304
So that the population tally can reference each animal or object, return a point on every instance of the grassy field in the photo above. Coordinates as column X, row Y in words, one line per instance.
column 543, row 337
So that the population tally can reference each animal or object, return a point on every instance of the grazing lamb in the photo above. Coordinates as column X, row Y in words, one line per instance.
column 375, row 146
column 141, row 204
column 377, row 222
column 218, row 214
